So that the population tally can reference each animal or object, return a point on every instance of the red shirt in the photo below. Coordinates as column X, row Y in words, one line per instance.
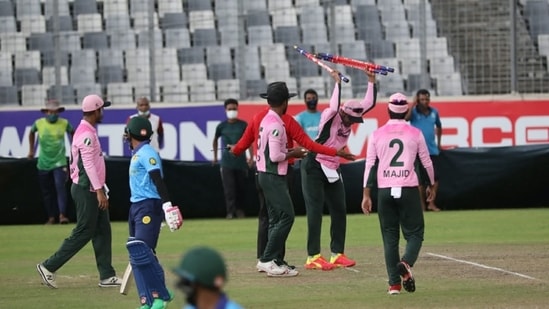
column 293, row 132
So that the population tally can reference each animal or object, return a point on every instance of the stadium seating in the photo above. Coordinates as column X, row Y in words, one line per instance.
column 103, row 46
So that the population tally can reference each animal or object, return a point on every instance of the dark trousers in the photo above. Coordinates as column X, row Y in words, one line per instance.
column 144, row 221
column 91, row 224
column 54, row 192
column 395, row 214
column 280, row 211
column 263, row 216
column 317, row 192
column 234, row 181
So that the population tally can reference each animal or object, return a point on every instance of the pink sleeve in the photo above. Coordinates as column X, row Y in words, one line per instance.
column 370, row 159
column 425, row 159
column 87, row 157
column 368, row 101
column 334, row 100
column 277, row 141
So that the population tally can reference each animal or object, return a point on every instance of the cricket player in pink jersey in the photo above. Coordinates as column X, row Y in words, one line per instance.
column 321, row 178
column 395, row 147
column 272, row 166
column 88, row 190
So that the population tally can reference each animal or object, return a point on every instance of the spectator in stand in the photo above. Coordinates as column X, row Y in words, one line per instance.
column 144, row 110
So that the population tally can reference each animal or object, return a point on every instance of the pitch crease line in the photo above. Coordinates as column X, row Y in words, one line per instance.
column 481, row 266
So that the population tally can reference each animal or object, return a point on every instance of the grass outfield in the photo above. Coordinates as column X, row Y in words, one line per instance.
column 470, row 259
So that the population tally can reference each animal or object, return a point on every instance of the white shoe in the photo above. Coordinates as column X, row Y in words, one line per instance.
column 110, row 282
column 271, row 267
column 288, row 272
column 258, row 267
column 48, row 278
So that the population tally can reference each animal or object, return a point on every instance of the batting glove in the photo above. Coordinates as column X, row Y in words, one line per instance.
column 173, row 216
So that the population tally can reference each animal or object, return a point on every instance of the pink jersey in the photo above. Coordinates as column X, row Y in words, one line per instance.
column 87, row 161
column 339, row 134
column 396, row 145
column 271, row 145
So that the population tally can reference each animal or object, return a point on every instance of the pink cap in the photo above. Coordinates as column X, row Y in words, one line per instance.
column 398, row 103
column 354, row 109
column 93, row 102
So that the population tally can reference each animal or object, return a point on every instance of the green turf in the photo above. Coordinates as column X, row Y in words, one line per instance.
column 511, row 242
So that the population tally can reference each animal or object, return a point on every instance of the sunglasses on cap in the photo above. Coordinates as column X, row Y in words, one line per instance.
column 400, row 102
column 357, row 110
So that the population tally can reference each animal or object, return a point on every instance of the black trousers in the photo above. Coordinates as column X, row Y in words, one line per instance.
column 234, row 181
column 263, row 216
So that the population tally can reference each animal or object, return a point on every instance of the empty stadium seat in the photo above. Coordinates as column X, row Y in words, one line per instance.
column 65, row 23
column 13, row 42
column 138, row 6
column 68, row 94
column 174, row 20
column 82, row 75
column 260, row 35
column 191, row 55
column 177, row 38
column 27, row 8
column 110, row 74
column 32, row 24
column 201, row 20
column 120, row 93
column 6, row 9
column 169, row 6
column 84, row 58
column 284, row 17
column 166, row 74
column 251, row 5
column 95, row 40
column 199, row 5
column 258, row 18
column 83, row 90
column 33, row 95
column 313, row 82
column 202, row 91
column 62, row 8
column 48, row 76
column 117, row 22
column 9, row 95
column 122, row 40
column 255, row 87
column 143, row 39
column 115, row 7
column 228, row 88
column 141, row 21
column 287, row 35
column 8, row 24
column 218, row 54
column 111, row 57
column 6, row 78
column 69, row 41
column 205, row 37
column 28, row 59
column 219, row 71
column 89, row 23
column 40, row 41
column 175, row 92
column 195, row 71
column 84, row 7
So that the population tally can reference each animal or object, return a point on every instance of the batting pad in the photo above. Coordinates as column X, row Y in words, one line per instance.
column 148, row 274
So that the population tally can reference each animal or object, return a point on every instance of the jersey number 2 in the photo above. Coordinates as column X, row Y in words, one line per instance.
column 398, row 143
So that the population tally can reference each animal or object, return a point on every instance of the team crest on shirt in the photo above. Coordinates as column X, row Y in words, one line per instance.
column 152, row 161
column 87, row 141
column 134, row 157
column 146, row 220
column 276, row 132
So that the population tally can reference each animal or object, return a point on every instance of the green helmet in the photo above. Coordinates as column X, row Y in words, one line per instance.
column 139, row 128
column 204, row 266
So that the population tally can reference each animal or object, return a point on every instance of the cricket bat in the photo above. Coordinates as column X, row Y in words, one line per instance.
column 126, row 280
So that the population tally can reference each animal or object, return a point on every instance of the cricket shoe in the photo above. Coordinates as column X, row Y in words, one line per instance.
column 318, row 262
column 110, row 282
column 48, row 278
column 288, row 272
column 394, row 289
column 160, row 303
column 407, row 278
column 341, row 260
